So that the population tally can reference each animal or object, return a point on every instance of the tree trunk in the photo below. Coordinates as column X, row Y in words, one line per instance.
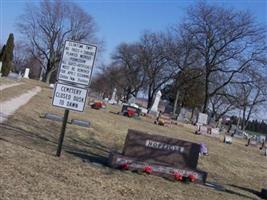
column 192, row 114
column 205, row 105
column 150, row 98
column 206, row 99
column 176, row 102
column 48, row 76
column 244, row 118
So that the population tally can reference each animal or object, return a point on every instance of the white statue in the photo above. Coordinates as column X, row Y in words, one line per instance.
column 113, row 98
column 26, row 73
column 0, row 69
column 155, row 105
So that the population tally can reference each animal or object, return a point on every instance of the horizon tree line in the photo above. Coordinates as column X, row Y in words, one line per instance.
column 214, row 61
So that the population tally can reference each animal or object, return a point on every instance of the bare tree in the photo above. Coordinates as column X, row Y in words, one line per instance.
column 109, row 77
column 155, row 64
column 183, row 58
column 45, row 28
column 21, row 56
column 251, row 96
column 127, row 56
column 221, row 104
column 227, row 41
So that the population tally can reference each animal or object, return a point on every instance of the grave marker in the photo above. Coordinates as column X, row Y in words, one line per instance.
column 26, row 73
column 113, row 97
column 81, row 123
column 202, row 119
column 0, row 68
column 165, row 156
column 161, row 149
column 228, row 139
column 14, row 76
column 53, row 117
column 154, row 108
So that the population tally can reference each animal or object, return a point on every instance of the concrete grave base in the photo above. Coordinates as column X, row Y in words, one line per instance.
column 171, row 173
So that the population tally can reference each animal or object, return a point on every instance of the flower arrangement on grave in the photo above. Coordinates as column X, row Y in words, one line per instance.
column 148, row 169
column 130, row 113
column 97, row 105
column 192, row 178
column 178, row 176
column 124, row 166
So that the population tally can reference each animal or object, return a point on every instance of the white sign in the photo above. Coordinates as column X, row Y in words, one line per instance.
column 69, row 97
column 77, row 63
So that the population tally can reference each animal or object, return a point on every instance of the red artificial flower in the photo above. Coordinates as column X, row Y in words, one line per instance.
column 124, row 166
column 148, row 169
column 192, row 178
column 130, row 113
column 178, row 176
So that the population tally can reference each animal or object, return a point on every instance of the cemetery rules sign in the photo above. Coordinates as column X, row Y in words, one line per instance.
column 77, row 63
column 73, row 79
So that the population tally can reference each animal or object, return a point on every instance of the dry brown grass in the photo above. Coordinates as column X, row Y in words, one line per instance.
column 14, row 91
column 4, row 80
column 29, row 169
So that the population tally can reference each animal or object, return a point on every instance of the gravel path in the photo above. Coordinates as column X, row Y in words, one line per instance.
column 2, row 87
column 9, row 107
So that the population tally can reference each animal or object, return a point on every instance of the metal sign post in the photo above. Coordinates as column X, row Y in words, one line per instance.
column 73, row 79
column 62, row 134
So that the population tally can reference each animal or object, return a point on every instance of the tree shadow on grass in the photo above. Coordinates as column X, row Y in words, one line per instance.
column 221, row 188
column 90, row 157
column 255, row 192
column 239, row 194
column 89, row 150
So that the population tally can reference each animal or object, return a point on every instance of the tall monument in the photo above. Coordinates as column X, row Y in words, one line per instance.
column 154, row 108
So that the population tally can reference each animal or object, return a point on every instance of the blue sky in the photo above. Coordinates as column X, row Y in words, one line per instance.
column 123, row 21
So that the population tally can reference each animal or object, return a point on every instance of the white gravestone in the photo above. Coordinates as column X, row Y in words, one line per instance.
column 113, row 98
column 131, row 100
column 228, row 139
column 143, row 110
column 26, row 73
column 203, row 129
column 155, row 105
column 0, row 69
column 202, row 119
column 215, row 131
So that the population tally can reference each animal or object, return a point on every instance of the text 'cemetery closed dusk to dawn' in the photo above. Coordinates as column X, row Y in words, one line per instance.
column 142, row 100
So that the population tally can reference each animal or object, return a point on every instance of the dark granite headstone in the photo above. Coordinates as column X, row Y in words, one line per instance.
column 157, row 149
column 166, row 157
column 264, row 193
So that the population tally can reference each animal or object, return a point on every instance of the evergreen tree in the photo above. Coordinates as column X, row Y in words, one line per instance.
column 2, row 52
column 7, row 55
